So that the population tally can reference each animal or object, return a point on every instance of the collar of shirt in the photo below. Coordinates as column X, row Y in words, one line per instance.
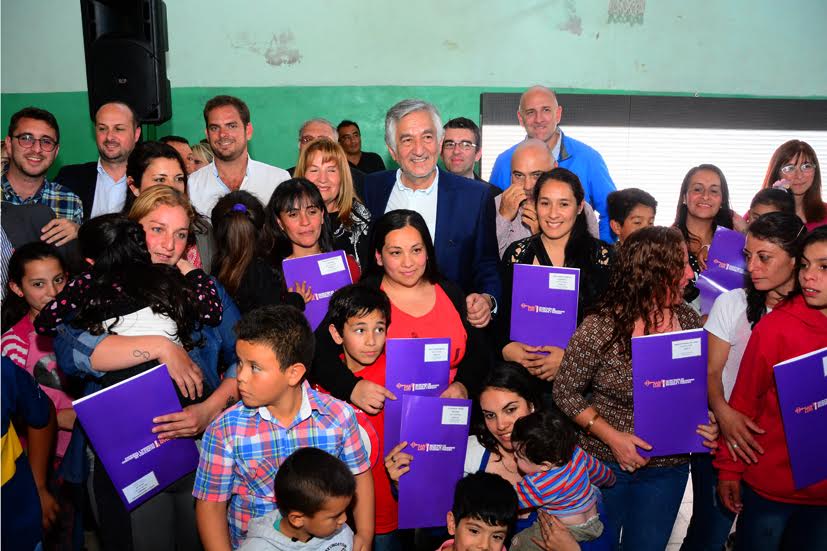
column 246, row 173
column 559, row 151
column 308, row 405
column 426, row 191
column 105, row 175
column 10, row 195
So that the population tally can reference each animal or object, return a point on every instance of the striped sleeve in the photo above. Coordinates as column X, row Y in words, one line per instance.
column 528, row 493
column 15, row 348
column 599, row 473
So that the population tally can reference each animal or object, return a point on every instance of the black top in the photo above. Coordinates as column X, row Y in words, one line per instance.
column 329, row 371
column 262, row 285
column 369, row 162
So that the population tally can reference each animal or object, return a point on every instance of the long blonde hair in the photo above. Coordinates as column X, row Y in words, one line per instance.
column 332, row 151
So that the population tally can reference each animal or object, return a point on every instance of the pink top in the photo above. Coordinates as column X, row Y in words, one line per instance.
column 35, row 354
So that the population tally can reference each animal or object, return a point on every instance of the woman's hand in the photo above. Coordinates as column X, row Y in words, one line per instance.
column 304, row 290
column 710, row 433
column 183, row 424
column 455, row 390
column 738, row 432
column 548, row 365
column 738, row 223
column 556, row 535
column 186, row 374
column 624, row 447
column 398, row 463
column 523, row 354
column 730, row 493
column 370, row 397
column 184, row 266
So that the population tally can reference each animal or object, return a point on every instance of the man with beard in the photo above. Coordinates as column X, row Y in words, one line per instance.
column 101, row 185
column 228, row 130
column 539, row 114
column 33, row 143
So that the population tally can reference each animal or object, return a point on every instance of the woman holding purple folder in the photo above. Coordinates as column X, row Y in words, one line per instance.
column 594, row 385
column 563, row 240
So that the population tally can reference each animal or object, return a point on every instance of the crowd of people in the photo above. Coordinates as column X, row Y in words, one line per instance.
column 167, row 252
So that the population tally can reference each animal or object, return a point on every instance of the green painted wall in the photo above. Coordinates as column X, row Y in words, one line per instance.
column 354, row 58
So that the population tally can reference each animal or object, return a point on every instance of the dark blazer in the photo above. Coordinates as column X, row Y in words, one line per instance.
column 82, row 180
column 466, row 240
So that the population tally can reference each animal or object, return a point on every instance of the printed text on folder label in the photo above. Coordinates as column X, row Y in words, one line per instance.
column 331, row 265
column 563, row 282
column 140, row 486
column 687, row 348
column 436, row 352
column 454, row 415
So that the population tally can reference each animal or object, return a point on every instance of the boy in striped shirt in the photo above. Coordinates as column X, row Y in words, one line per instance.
column 560, row 478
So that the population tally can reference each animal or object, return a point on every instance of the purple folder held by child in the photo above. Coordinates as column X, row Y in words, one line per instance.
column 669, row 385
column 726, row 268
column 413, row 366
column 436, row 430
column 802, row 396
column 118, row 422
column 325, row 273
column 544, row 305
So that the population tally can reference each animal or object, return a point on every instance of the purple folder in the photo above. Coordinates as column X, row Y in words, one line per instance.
column 544, row 305
column 726, row 268
column 436, row 430
column 118, row 422
column 413, row 366
column 669, row 385
column 325, row 273
column 802, row 395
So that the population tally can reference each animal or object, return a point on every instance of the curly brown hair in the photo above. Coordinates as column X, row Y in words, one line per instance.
column 644, row 282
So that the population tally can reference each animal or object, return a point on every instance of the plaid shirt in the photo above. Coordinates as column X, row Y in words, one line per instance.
column 243, row 449
column 63, row 202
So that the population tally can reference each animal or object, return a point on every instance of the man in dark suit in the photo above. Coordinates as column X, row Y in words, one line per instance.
column 459, row 212
column 101, row 184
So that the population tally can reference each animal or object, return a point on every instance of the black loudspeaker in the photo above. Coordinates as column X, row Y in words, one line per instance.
column 126, row 43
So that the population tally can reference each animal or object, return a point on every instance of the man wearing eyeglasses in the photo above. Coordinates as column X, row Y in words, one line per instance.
column 314, row 129
column 33, row 143
column 461, row 150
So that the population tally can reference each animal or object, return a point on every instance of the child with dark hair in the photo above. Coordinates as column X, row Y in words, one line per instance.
column 359, row 316
column 484, row 510
column 630, row 209
column 243, row 449
column 313, row 491
column 560, row 478
column 770, row 200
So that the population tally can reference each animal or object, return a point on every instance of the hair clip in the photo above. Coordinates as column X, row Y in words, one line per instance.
column 239, row 207
column 781, row 184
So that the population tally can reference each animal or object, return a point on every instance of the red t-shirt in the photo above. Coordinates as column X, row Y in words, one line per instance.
column 372, row 429
column 442, row 321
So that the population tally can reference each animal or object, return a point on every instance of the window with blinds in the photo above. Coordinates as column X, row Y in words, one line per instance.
column 650, row 142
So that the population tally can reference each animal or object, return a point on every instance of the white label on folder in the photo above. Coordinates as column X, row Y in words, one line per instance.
column 331, row 265
column 687, row 348
column 824, row 364
column 140, row 486
column 454, row 415
column 436, row 352
column 563, row 282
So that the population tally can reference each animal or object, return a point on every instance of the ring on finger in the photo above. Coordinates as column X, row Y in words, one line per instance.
column 735, row 445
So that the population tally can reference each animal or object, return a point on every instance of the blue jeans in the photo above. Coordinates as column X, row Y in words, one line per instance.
column 766, row 525
column 644, row 504
column 711, row 521
column 387, row 542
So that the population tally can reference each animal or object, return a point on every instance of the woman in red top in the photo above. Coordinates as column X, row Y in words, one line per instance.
column 423, row 305
column 773, row 513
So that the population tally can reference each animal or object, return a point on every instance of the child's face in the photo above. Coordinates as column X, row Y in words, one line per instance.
column 363, row 338
column 639, row 217
column 329, row 518
column 261, row 382
column 42, row 280
column 472, row 534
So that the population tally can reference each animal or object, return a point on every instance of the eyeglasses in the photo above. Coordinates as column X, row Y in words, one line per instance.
column 803, row 167
column 27, row 141
column 464, row 145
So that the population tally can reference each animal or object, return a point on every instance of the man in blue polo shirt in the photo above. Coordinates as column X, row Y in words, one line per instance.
column 539, row 114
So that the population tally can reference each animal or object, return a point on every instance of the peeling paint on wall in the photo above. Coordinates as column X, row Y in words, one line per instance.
column 279, row 50
column 573, row 23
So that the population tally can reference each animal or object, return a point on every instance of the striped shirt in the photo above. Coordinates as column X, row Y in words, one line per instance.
column 243, row 449
column 61, row 200
column 568, row 489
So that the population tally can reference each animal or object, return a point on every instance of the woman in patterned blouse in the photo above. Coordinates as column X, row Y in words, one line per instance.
column 645, row 296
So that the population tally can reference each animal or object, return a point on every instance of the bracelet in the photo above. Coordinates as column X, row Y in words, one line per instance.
column 589, row 425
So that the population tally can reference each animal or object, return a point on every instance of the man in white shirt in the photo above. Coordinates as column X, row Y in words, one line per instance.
column 228, row 131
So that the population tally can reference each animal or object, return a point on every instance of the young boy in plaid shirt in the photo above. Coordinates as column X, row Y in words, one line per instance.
column 279, row 413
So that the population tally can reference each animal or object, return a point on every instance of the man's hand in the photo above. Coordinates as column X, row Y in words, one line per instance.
column 529, row 218
column 370, row 397
column 511, row 200
column 59, row 232
column 479, row 309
